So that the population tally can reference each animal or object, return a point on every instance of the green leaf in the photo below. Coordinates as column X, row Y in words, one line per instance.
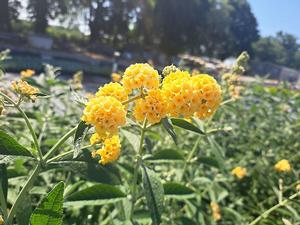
column 10, row 147
column 166, row 154
column 186, row 125
column 169, row 128
column 209, row 161
column 90, row 170
column 3, row 188
column 50, row 210
column 80, row 132
column 24, row 210
column 133, row 139
column 154, row 192
column 98, row 194
column 187, row 221
column 217, row 152
column 177, row 190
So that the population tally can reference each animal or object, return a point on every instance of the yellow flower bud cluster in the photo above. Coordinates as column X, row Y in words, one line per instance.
column 283, row 166
column 24, row 89
column 152, row 107
column 115, row 90
column 140, row 75
column 216, row 212
column 116, row 77
column 179, row 95
column 27, row 73
column 169, row 69
column 239, row 172
column 110, row 151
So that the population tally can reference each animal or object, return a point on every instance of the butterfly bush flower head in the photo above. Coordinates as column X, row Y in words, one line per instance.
column 215, row 208
column 27, row 73
column 24, row 89
column 283, row 166
column 115, row 90
column 239, row 172
column 140, row 75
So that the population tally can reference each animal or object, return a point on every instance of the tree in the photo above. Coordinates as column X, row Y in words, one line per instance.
column 8, row 13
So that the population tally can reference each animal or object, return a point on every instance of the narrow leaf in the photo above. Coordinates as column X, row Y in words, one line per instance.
column 133, row 139
column 178, row 190
column 50, row 210
column 186, row 125
column 80, row 132
column 95, row 195
column 166, row 154
column 154, row 192
column 10, row 147
column 169, row 128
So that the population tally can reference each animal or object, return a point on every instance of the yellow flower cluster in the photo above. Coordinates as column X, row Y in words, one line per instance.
column 215, row 208
column 27, row 73
column 24, row 89
column 106, row 114
column 152, row 107
column 115, row 90
column 180, row 94
column 1, row 220
column 140, row 75
column 239, row 172
column 283, row 166
column 186, row 96
column 110, row 151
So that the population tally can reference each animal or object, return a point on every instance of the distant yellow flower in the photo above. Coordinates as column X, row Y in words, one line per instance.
column 239, row 172
column 27, row 73
column 24, row 89
column 116, row 77
column 140, row 75
column 283, row 166
column 153, row 107
column 106, row 113
column 1, row 220
column 113, row 89
column 298, row 187
column 110, row 151
column 215, row 208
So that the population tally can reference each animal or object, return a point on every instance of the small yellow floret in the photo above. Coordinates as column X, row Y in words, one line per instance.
column 24, row 89
column 106, row 113
column 140, row 75
column 239, row 172
column 116, row 77
column 114, row 90
column 110, row 151
column 95, row 139
column 283, row 166
column 153, row 107
column 27, row 73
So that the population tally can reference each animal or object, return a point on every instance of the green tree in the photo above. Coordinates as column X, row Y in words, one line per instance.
column 8, row 13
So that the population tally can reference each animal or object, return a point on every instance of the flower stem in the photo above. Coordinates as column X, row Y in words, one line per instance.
column 190, row 156
column 59, row 143
column 137, row 166
column 132, row 99
column 267, row 212
column 23, row 192
column 66, row 153
column 34, row 137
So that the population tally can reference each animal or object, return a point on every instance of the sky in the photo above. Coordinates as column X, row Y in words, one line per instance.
column 277, row 15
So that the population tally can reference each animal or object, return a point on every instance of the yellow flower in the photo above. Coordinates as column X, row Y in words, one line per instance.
column 1, row 220
column 152, row 107
column 206, row 95
column 27, row 73
column 283, row 166
column 116, row 77
column 106, row 113
column 215, row 208
column 140, row 75
column 114, row 90
column 298, row 187
column 95, row 139
column 110, row 151
column 239, row 172
column 89, row 95
column 24, row 89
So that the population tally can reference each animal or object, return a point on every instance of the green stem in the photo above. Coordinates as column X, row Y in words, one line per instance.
column 59, row 143
column 65, row 153
column 267, row 212
column 228, row 101
column 34, row 137
column 132, row 99
column 190, row 156
column 137, row 166
column 23, row 192
column 3, row 203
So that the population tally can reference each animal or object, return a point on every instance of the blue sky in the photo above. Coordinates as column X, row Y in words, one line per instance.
column 276, row 15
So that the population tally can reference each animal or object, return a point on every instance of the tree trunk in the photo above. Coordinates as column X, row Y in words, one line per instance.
column 4, row 16
column 41, row 13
